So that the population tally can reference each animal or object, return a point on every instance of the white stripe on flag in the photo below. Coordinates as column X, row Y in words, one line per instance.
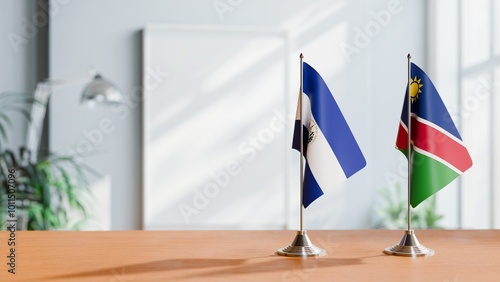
column 321, row 159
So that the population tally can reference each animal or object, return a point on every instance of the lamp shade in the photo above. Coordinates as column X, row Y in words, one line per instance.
column 101, row 90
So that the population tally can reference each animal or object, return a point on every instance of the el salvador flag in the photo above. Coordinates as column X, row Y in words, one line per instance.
column 331, row 152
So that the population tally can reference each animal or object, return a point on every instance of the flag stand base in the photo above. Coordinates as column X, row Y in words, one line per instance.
column 301, row 247
column 409, row 247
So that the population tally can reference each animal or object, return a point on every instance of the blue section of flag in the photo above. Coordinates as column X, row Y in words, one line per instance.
column 312, row 191
column 429, row 105
column 296, row 137
column 334, row 127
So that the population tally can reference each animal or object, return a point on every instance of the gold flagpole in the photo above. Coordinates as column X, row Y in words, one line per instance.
column 301, row 245
column 409, row 245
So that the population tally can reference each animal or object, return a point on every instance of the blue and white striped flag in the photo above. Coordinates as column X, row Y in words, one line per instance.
column 331, row 152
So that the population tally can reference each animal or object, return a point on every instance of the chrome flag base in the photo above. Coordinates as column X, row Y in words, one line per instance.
column 409, row 247
column 301, row 247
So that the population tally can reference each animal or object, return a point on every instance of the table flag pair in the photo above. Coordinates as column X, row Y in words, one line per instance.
column 427, row 136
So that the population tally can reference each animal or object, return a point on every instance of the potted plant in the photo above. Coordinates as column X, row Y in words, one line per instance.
column 49, row 193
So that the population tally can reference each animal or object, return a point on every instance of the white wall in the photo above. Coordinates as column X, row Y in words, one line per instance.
column 368, row 86
column 18, row 57
column 443, row 68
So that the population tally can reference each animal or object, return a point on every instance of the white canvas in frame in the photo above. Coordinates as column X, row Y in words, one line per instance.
column 216, row 135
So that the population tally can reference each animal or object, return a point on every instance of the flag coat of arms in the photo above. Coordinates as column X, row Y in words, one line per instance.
column 330, row 150
column 438, row 154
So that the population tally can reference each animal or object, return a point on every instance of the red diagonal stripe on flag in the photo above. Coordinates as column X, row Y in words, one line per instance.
column 402, row 138
column 437, row 143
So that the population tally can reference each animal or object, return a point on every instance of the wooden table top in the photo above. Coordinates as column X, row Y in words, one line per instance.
column 352, row 255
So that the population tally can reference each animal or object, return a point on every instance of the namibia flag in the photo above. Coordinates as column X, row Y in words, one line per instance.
column 438, row 154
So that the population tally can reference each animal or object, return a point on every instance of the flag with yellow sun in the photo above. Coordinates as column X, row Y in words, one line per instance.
column 438, row 154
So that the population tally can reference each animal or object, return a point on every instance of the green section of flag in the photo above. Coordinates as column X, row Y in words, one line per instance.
column 428, row 176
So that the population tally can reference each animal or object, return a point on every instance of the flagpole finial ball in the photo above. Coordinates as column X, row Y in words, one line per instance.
column 301, row 56
column 409, row 56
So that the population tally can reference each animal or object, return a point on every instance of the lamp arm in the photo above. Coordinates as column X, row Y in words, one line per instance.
column 57, row 84
column 38, row 110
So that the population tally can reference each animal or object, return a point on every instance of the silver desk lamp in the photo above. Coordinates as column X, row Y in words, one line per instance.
column 97, row 90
